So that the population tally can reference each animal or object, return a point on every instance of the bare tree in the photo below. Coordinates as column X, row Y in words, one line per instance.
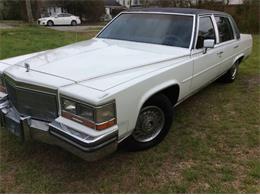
column 227, row 2
column 145, row 3
column 29, row 11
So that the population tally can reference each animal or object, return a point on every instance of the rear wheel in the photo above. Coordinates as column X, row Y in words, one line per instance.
column 231, row 75
column 50, row 23
column 153, row 124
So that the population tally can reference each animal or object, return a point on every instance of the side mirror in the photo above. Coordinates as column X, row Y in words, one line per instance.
column 208, row 43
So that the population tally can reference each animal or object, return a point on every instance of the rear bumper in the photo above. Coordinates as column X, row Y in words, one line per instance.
column 55, row 133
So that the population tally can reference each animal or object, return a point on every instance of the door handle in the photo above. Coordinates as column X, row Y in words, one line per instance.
column 220, row 53
column 237, row 46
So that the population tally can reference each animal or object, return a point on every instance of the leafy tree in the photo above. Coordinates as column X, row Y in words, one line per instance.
column 92, row 10
column 11, row 10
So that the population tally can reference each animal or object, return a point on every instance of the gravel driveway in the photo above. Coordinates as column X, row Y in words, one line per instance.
column 76, row 28
column 5, row 26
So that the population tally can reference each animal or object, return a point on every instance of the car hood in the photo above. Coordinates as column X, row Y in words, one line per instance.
column 100, row 58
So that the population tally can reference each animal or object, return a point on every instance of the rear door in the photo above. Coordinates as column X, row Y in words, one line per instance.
column 67, row 19
column 59, row 19
column 206, row 65
column 228, row 43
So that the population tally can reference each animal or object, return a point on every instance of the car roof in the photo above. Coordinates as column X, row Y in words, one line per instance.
column 178, row 10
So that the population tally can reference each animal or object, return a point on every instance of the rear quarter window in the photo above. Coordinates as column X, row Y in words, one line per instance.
column 225, row 29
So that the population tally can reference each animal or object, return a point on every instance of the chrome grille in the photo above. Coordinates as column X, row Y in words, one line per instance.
column 28, row 102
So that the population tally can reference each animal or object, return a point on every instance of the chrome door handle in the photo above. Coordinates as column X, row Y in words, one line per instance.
column 220, row 53
column 237, row 46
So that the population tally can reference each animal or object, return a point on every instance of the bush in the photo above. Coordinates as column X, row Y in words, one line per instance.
column 16, row 10
column 11, row 10
column 92, row 10
column 246, row 15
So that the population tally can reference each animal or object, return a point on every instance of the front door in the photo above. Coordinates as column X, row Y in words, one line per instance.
column 206, row 65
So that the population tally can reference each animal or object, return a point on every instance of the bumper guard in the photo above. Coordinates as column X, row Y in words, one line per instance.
column 81, row 144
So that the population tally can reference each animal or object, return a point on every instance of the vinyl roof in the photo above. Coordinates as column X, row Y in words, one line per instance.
column 179, row 10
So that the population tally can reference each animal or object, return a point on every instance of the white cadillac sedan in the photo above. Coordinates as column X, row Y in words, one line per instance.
column 60, row 19
column 122, row 86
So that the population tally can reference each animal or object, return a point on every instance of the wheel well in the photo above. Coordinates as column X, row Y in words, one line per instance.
column 239, row 60
column 172, row 93
column 50, row 21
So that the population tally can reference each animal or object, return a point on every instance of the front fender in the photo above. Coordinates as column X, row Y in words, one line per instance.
column 3, row 66
column 154, row 90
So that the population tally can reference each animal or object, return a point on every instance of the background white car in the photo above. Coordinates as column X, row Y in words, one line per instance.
column 60, row 19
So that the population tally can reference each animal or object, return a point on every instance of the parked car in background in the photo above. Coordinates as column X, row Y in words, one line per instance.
column 60, row 19
column 123, row 85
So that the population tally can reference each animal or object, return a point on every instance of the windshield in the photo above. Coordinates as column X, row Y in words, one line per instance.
column 164, row 29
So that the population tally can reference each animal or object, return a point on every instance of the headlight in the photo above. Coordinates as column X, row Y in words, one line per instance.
column 105, row 113
column 69, row 106
column 98, row 118
column 85, row 112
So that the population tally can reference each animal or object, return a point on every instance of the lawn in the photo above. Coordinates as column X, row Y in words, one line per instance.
column 213, row 145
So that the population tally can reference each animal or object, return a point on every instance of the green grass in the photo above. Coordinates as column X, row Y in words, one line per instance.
column 213, row 146
column 27, row 39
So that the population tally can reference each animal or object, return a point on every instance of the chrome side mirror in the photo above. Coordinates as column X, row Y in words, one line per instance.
column 208, row 43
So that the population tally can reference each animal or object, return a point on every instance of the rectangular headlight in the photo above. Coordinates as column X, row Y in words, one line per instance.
column 85, row 112
column 98, row 118
column 68, row 106
column 105, row 113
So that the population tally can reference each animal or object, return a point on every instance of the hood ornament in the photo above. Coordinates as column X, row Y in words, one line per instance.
column 27, row 66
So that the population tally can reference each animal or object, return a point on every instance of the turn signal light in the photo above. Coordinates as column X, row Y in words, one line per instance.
column 87, row 123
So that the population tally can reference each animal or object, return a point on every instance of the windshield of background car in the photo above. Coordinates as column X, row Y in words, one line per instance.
column 163, row 29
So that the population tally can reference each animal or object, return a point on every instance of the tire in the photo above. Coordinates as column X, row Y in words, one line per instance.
column 73, row 23
column 231, row 74
column 50, row 23
column 157, row 112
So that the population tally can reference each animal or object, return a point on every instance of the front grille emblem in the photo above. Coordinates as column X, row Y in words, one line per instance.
column 27, row 66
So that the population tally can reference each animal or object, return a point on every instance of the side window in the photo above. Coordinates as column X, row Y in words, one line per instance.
column 225, row 29
column 66, row 15
column 206, row 31
column 235, row 28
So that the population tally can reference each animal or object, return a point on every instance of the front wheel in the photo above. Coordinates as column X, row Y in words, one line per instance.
column 153, row 124
column 50, row 23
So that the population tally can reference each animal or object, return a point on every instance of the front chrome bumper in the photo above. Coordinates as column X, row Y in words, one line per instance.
column 81, row 144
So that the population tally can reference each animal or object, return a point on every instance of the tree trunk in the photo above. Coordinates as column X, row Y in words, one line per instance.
column 29, row 11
